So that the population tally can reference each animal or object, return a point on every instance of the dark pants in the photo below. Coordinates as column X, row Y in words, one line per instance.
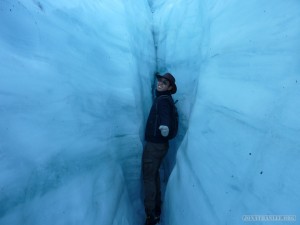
column 152, row 157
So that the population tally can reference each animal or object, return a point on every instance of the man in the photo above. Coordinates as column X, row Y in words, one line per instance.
column 157, row 144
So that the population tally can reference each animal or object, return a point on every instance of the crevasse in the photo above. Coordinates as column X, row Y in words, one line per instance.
column 75, row 91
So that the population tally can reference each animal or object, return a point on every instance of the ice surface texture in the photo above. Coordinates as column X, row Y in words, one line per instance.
column 75, row 86
column 238, row 68
column 75, row 90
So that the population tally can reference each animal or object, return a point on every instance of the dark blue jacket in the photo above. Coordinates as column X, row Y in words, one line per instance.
column 160, row 114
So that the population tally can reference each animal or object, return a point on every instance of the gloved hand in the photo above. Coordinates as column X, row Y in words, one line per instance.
column 164, row 130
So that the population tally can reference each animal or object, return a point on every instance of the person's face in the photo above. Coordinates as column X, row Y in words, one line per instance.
column 163, row 85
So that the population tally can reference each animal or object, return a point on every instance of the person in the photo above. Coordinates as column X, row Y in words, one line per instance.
column 157, row 144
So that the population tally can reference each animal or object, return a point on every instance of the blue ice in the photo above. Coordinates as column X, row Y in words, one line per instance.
column 76, row 81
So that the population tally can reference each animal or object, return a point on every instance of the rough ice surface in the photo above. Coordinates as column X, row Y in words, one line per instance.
column 238, row 68
column 76, row 86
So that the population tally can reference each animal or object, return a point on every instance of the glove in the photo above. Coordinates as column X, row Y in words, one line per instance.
column 164, row 130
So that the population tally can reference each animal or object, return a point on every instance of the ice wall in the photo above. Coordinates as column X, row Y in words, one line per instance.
column 238, row 69
column 75, row 86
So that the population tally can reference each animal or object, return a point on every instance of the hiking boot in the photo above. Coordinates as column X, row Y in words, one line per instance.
column 150, row 220
column 157, row 219
column 157, row 213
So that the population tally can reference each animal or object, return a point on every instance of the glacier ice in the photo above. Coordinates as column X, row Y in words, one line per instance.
column 238, row 65
column 76, row 86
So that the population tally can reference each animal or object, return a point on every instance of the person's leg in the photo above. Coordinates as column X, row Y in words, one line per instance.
column 149, row 166
column 158, row 192
column 157, row 210
column 152, row 157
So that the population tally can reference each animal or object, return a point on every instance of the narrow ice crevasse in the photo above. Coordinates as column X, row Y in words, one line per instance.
column 75, row 81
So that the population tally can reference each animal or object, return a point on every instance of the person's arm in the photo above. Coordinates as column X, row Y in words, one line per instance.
column 164, row 110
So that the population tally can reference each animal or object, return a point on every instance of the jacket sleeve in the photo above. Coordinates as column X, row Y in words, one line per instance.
column 164, row 112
